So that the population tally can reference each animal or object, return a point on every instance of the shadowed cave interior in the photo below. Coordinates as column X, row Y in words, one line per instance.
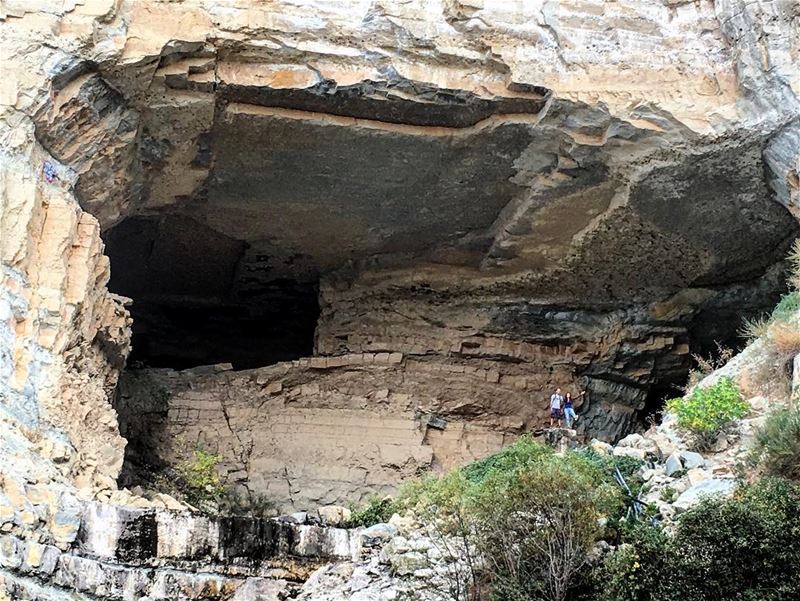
column 195, row 304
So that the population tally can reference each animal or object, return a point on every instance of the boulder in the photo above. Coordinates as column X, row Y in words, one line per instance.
column 665, row 446
column 632, row 440
column 692, row 459
column 722, row 444
column 408, row 563
column 706, row 488
column 637, row 441
column 377, row 534
column 697, row 475
column 298, row 517
column 600, row 447
column 334, row 515
column 261, row 589
column 403, row 523
column 640, row 454
column 673, row 464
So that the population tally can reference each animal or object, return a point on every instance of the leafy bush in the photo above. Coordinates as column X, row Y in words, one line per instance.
column 535, row 526
column 730, row 549
column 787, row 307
column 638, row 569
column 523, row 452
column 708, row 412
column 532, row 515
column 199, row 474
column 746, row 548
column 777, row 445
column 377, row 510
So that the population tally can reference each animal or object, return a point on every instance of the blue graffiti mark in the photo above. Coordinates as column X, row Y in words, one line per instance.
column 49, row 172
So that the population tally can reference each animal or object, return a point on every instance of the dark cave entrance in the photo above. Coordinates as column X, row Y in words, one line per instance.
column 201, row 298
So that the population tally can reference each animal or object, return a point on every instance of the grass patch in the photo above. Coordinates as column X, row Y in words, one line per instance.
column 754, row 328
column 777, row 447
column 787, row 307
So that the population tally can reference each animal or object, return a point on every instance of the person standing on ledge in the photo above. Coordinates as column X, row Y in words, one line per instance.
column 555, row 407
column 569, row 412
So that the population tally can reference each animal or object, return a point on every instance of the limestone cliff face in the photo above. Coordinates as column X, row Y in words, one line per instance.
column 455, row 205
column 553, row 192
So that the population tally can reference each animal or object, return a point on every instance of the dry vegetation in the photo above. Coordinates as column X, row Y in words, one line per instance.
column 779, row 337
column 707, row 365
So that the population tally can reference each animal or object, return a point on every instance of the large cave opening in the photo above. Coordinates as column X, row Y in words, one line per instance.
column 201, row 297
column 434, row 261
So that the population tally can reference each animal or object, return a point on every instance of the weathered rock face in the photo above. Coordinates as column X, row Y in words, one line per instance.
column 573, row 193
column 465, row 183
column 135, row 553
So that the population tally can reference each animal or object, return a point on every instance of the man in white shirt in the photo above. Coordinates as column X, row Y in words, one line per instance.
column 555, row 407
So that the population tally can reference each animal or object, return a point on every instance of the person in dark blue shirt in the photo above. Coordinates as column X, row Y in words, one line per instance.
column 570, row 416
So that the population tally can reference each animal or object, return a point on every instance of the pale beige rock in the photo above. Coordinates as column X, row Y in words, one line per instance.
column 334, row 515
column 640, row 454
column 696, row 475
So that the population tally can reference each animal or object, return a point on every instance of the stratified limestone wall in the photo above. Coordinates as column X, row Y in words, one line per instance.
column 64, row 337
column 641, row 125
column 135, row 553
column 331, row 429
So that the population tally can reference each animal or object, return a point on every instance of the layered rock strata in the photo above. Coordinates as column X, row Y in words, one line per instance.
column 576, row 193
column 130, row 553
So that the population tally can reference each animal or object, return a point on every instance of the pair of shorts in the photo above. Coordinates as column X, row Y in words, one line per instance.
column 555, row 413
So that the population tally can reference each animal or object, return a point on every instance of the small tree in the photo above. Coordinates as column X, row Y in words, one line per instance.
column 535, row 528
column 199, row 473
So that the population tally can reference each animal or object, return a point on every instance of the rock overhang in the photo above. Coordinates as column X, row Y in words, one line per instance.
column 603, row 177
column 466, row 175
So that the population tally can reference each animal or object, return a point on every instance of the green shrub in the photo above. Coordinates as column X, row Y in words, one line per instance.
column 608, row 464
column 638, row 569
column 708, row 412
column 743, row 548
column 668, row 494
column 199, row 474
column 523, row 452
column 376, row 511
column 746, row 548
column 612, row 501
column 535, row 526
column 787, row 307
column 531, row 514
column 777, row 445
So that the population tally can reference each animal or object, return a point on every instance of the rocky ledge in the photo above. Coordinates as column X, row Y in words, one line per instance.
column 118, row 552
